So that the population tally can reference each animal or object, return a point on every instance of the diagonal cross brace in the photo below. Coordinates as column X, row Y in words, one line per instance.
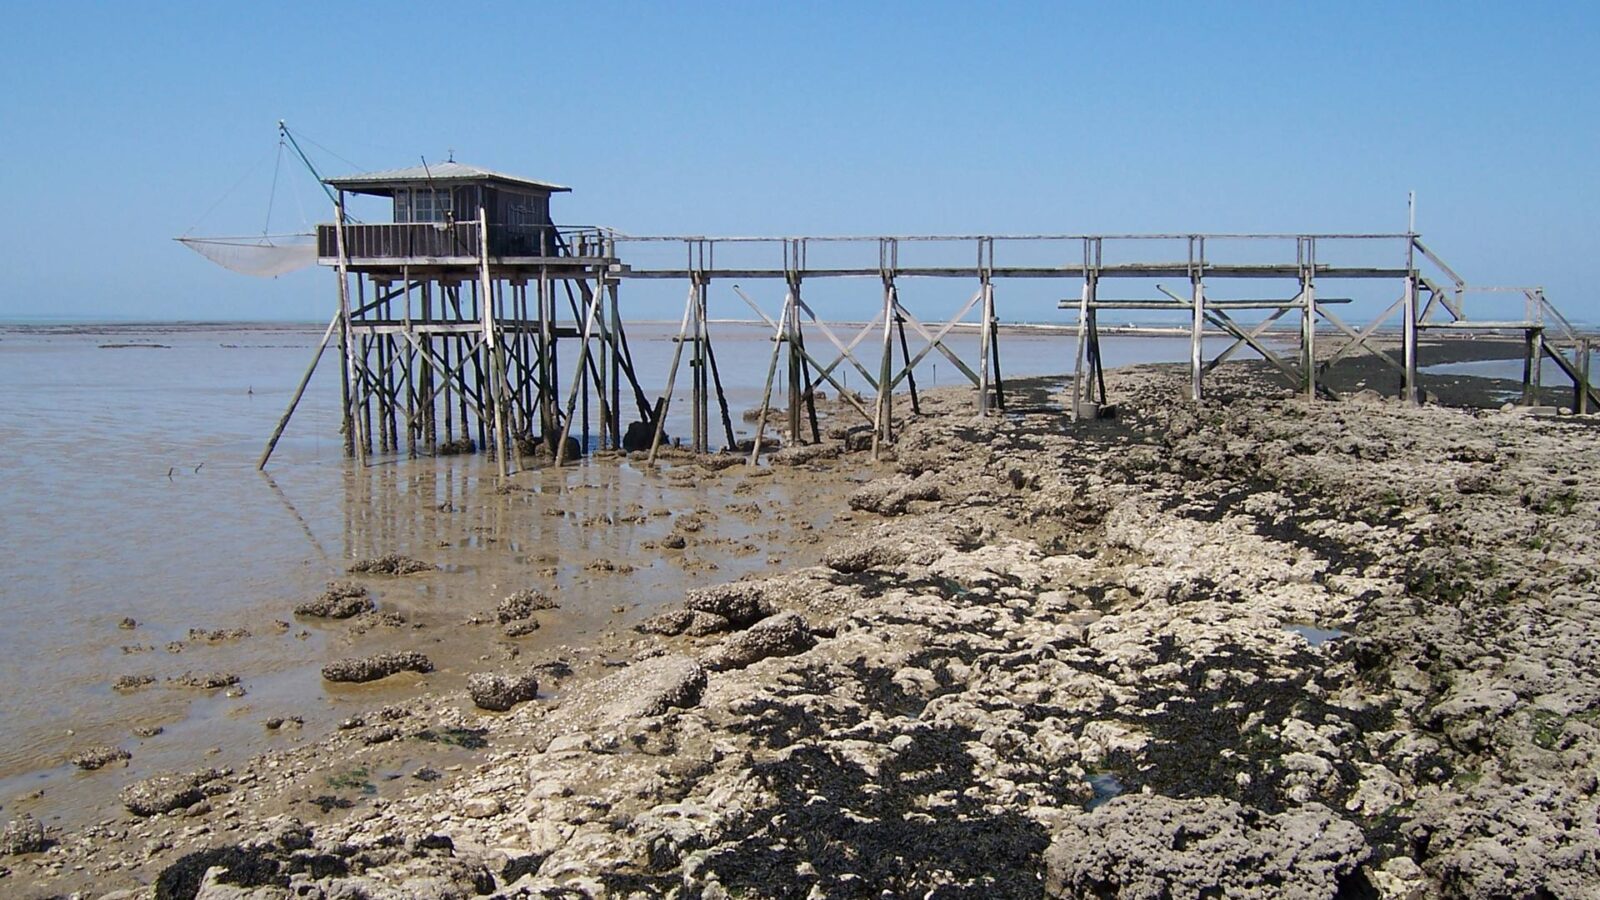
column 936, row 341
column 846, row 350
column 1243, row 338
column 824, row 373
column 456, row 372
column 1359, row 339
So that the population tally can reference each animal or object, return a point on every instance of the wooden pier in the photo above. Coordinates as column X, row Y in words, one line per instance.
column 448, row 317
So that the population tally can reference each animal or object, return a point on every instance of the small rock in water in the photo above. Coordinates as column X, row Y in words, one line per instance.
column 341, row 600
column 390, row 564
column 128, row 623
column 147, row 731
column 206, row 680
column 218, row 635
column 371, row 668
column 99, row 757
column 521, row 605
column 131, row 682
column 522, row 628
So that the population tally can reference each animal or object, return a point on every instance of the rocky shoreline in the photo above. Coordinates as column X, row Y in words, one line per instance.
column 1255, row 645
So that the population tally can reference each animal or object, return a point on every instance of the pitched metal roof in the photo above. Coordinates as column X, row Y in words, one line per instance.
column 452, row 172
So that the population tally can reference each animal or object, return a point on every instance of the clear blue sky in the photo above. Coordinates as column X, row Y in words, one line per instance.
column 124, row 122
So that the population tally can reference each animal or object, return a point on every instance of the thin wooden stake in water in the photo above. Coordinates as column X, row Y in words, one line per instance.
column 672, row 379
column 577, row 383
column 272, row 442
column 772, row 372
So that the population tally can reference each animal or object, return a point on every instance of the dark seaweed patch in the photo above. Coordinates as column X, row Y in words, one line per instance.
column 866, row 836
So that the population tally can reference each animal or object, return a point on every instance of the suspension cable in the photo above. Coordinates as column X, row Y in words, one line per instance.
column 272, row 195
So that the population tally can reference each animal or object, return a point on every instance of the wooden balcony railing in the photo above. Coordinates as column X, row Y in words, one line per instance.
column 441, row 240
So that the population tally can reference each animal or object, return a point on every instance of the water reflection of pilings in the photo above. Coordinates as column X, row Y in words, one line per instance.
column 416, row 508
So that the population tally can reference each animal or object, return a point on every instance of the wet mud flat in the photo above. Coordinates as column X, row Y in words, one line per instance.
column 1254, row 647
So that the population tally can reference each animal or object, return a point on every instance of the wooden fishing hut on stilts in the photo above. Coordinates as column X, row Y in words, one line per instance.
column 448, row 315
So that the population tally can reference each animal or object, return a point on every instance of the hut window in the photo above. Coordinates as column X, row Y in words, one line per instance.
column 430, row 205
column 422, row 205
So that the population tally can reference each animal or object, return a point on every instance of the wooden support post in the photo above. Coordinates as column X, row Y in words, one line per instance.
column 1538, row 363
column 547, row 390
column 1084, row 299
column 446, row 389
column 555, row 374
column 615, row 336
column 1097, row 362
column 354, row 431
column 602, row 352
column 347, row 422
column 1582, row 403
column 430, row 425
column 985, row 342
column 497, row 359
column 994, row 361
column 364, row 391
column 795, row 375
column 905, row 355
column 883, row 413
column 1308, row 332
column 808, row 387
column 525, row 379
column 1532, row 353
column 722, row 398
column 406, row 403
column 1409, row 327
column 697, row 367
column 1196, row 334
column 380, row 353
